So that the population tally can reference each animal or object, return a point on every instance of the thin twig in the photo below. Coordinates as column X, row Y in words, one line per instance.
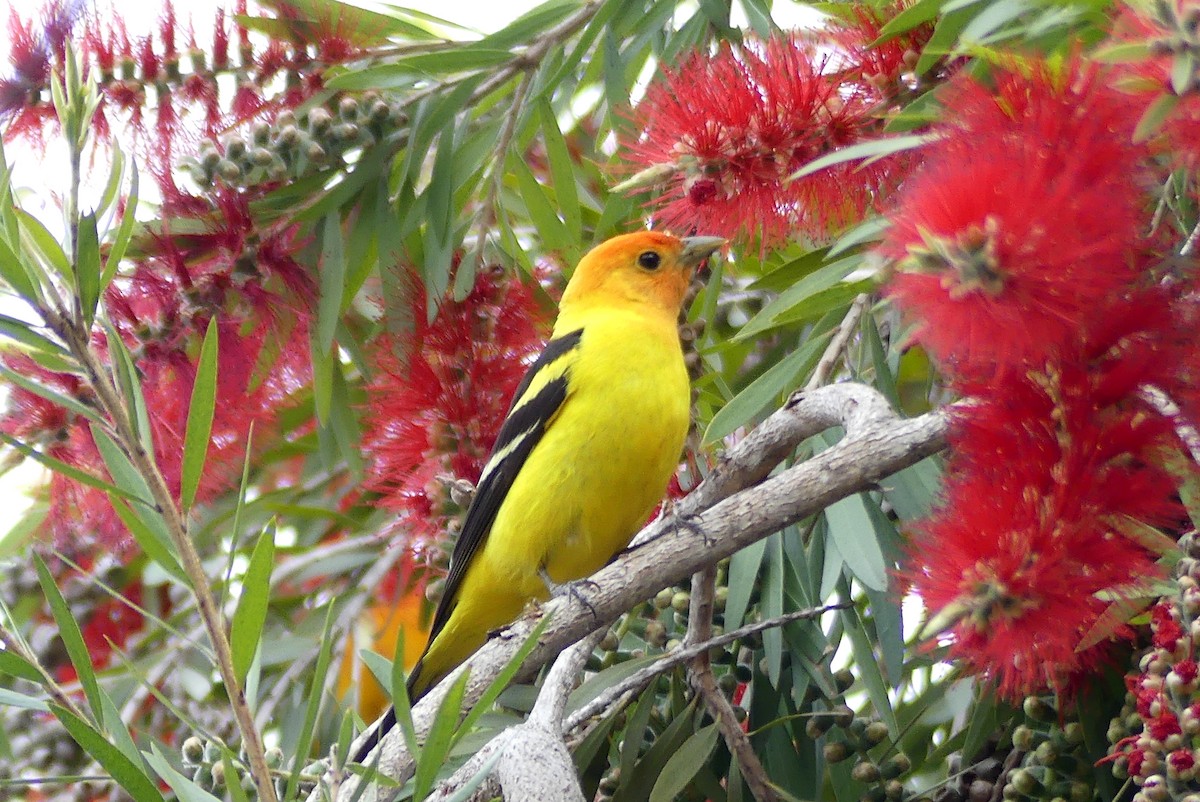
column 702, row 679
column 17, row 646
column 77, row 339
column 833, row 351
column 685, row 654
column 487, row 212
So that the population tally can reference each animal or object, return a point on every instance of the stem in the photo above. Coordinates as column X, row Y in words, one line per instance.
column 701, row 677
column 77, row 341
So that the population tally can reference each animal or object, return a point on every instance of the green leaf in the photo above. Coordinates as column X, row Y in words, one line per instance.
column 127, row 377
column 124, row 231
column 25, row 702
column 809, row 296
column 743, row 575
column 87, row 267
column 866, row 662
column 185, row 789
column 1154, row 116
column 440, row 737
column 1182, row 69
column 23, row 333
column 316, row 693
column 150, row 531
column 682, row 766
column 884, row 146
column 17, row 274
column 115, row 727
column 121, row 469
column 917, row 14
column 766, row 390
column 542, row 212
column 944, row 38
column 493, row 691
column 200, row 417
column 42, row 243
column 129, row 776
column 72, row 637
column 562, row 172
column 851, row 529
column 403, row 72
column 398, row 683
column 59, row 466
column 333, row 281
column 64, row 401
column 246, row 630
column 16, row 666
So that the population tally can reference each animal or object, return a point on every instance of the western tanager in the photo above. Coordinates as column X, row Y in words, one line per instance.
column 593, row 436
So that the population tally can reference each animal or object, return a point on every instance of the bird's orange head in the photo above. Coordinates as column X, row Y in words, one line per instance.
column 646, row 268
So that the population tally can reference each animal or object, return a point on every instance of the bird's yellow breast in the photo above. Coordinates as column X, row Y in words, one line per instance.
column 590, row 482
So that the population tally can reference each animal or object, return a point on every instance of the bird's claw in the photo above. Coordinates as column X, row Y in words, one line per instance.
column 572, row 589
column 687, row 522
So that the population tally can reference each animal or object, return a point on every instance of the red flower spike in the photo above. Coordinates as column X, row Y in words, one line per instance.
column 1028, row 542
column 999, row 278
column 878, row 68
column 731, row 128
column 436, row 410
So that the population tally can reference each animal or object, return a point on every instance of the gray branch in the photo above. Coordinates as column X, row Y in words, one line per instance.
column 735, row 506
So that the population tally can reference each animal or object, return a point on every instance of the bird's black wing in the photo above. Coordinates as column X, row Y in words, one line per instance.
column 522, row 429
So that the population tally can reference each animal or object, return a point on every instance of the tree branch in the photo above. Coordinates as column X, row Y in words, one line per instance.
column 731, row 509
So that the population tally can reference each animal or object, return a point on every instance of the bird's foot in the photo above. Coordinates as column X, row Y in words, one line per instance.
column 688, row 523
column 572, row 589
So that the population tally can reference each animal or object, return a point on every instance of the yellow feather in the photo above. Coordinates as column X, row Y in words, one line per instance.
column 606, row 454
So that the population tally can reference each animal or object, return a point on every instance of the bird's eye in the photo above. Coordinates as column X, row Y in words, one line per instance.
column 650, row 260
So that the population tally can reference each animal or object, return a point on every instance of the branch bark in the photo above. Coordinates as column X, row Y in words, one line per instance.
column 735, row 506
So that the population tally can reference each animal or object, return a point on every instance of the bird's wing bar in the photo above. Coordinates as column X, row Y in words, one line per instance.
column 536, row 402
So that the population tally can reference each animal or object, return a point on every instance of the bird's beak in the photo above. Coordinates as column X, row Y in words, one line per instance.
column 697, row 249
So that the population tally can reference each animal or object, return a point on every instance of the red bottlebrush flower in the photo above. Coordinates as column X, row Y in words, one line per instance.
column 436, row 410
column 1030, row 540
column 878, row 67
column 730, row 128
column 109, row 626
column 999, row 277
column 1167, row 631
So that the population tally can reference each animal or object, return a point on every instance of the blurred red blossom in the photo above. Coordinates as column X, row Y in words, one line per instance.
column 1038, row 528
column 997, row 276
column 728, row 130
column 137, row 75
column 878, row 66
column 228, row 270
column 441, row 394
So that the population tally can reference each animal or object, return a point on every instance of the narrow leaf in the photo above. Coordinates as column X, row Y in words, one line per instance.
column 58, row 466
column 185, row 789
column 72, row 637
column 150, row 532
column 251, row 614
column 64, row 401
column 200, row 417
column 333, row 281
column 16, row 666
column 24, row 701
column 440, row 738
column 316, row 693
column 682, row 766
column 128, row 775
column 884, row 146
column 124, row 231
column 87, row 267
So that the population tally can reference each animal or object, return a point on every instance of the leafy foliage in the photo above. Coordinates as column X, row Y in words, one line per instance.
column 311, row 340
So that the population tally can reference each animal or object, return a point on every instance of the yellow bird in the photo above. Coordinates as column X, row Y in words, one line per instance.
column 592, row 438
